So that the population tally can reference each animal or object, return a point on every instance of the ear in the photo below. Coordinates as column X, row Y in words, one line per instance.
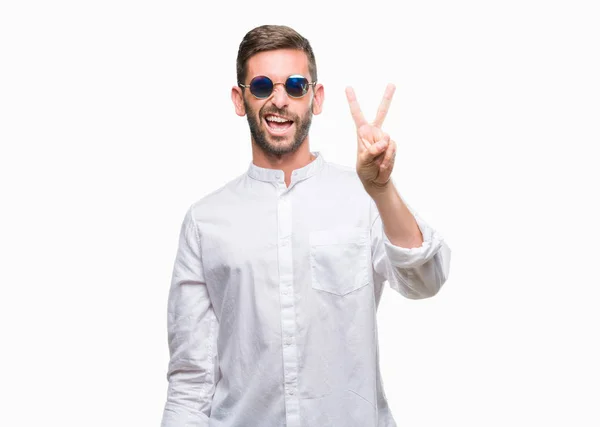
column 238, row 101
column 318, row 99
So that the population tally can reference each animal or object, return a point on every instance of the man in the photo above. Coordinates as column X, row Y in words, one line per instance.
column 278, row 275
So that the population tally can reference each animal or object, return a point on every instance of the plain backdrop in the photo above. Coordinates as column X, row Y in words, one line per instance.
column 115, row 116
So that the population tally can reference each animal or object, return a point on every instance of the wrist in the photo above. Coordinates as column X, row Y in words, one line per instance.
column 377, row 191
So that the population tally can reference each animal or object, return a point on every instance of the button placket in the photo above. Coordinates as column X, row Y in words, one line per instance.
column 288, row 314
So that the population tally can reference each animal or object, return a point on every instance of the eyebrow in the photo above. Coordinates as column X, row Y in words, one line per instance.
column 283, row 79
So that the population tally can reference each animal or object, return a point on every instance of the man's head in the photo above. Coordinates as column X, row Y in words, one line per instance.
column 277, row 52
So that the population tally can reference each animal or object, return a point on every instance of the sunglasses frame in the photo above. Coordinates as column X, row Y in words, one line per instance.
column 273, row 88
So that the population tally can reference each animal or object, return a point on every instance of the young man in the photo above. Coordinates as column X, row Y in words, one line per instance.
column 278, row 275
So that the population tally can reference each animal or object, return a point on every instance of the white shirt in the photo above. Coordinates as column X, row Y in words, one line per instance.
column 272, row 306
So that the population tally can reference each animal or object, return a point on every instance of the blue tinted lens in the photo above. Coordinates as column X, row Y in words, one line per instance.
column 296, row 86
column 261, row 86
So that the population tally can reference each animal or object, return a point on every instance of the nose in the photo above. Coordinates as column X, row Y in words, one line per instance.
column 280, row 97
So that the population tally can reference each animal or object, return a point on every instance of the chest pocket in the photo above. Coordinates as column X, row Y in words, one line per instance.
column 340, row 259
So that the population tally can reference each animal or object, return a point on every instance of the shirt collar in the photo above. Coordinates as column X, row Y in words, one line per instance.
column 276, row 175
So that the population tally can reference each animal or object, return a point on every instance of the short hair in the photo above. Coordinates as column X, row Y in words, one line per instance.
column 272, row 37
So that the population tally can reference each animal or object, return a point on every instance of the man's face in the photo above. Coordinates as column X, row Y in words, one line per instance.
column 265, row 115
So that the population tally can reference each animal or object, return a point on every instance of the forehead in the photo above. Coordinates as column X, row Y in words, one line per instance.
column 278, row 64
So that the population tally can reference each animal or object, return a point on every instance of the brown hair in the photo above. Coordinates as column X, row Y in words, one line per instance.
column 271, row 37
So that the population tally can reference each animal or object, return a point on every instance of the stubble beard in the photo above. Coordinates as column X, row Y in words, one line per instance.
column 261, row 136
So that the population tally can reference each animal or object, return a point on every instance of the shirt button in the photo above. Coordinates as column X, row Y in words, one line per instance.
column 291, row 392
column 288, row 341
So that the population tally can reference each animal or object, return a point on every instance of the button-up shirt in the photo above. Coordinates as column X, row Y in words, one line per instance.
column 273, row 300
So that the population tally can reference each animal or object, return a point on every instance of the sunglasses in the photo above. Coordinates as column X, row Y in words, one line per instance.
column 262, row 87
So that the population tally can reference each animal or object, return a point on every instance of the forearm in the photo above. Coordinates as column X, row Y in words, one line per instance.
column 399, row 224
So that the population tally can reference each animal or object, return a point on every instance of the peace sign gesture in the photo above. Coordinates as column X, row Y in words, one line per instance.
column 376, row 151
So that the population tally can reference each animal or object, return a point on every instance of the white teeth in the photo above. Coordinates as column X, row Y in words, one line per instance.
column 276, row 119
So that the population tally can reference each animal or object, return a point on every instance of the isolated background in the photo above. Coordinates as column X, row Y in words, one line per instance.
column 115, row 116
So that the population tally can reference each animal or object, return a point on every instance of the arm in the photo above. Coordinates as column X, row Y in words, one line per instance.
column 192, row 332
column 419, row 267
column 409, row 254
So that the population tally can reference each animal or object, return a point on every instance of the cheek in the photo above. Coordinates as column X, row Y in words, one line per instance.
column 307, row 112
column 250, row 109
column 257, row 111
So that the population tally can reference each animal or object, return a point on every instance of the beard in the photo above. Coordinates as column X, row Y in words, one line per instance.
column 261, row 136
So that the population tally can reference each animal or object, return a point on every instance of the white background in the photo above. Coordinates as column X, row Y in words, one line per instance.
column 115, row 116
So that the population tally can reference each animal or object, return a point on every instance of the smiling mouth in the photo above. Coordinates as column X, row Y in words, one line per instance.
column 278, row 125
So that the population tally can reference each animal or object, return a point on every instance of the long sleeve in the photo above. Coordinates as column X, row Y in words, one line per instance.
column 192, row 333
column 415, row 273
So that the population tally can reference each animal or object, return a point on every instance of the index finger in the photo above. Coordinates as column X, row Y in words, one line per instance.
column 385, row 105
column 357, row 115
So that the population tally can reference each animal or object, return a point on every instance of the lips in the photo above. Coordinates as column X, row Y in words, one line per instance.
column 277, row 125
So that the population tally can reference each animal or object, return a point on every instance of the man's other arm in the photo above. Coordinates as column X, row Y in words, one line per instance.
column 192, row 333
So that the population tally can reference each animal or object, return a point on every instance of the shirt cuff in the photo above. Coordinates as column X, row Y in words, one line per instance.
column 413, row 257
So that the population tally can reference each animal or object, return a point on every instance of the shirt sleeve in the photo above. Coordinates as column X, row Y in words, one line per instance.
column 192, row 333
column 415, row 273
